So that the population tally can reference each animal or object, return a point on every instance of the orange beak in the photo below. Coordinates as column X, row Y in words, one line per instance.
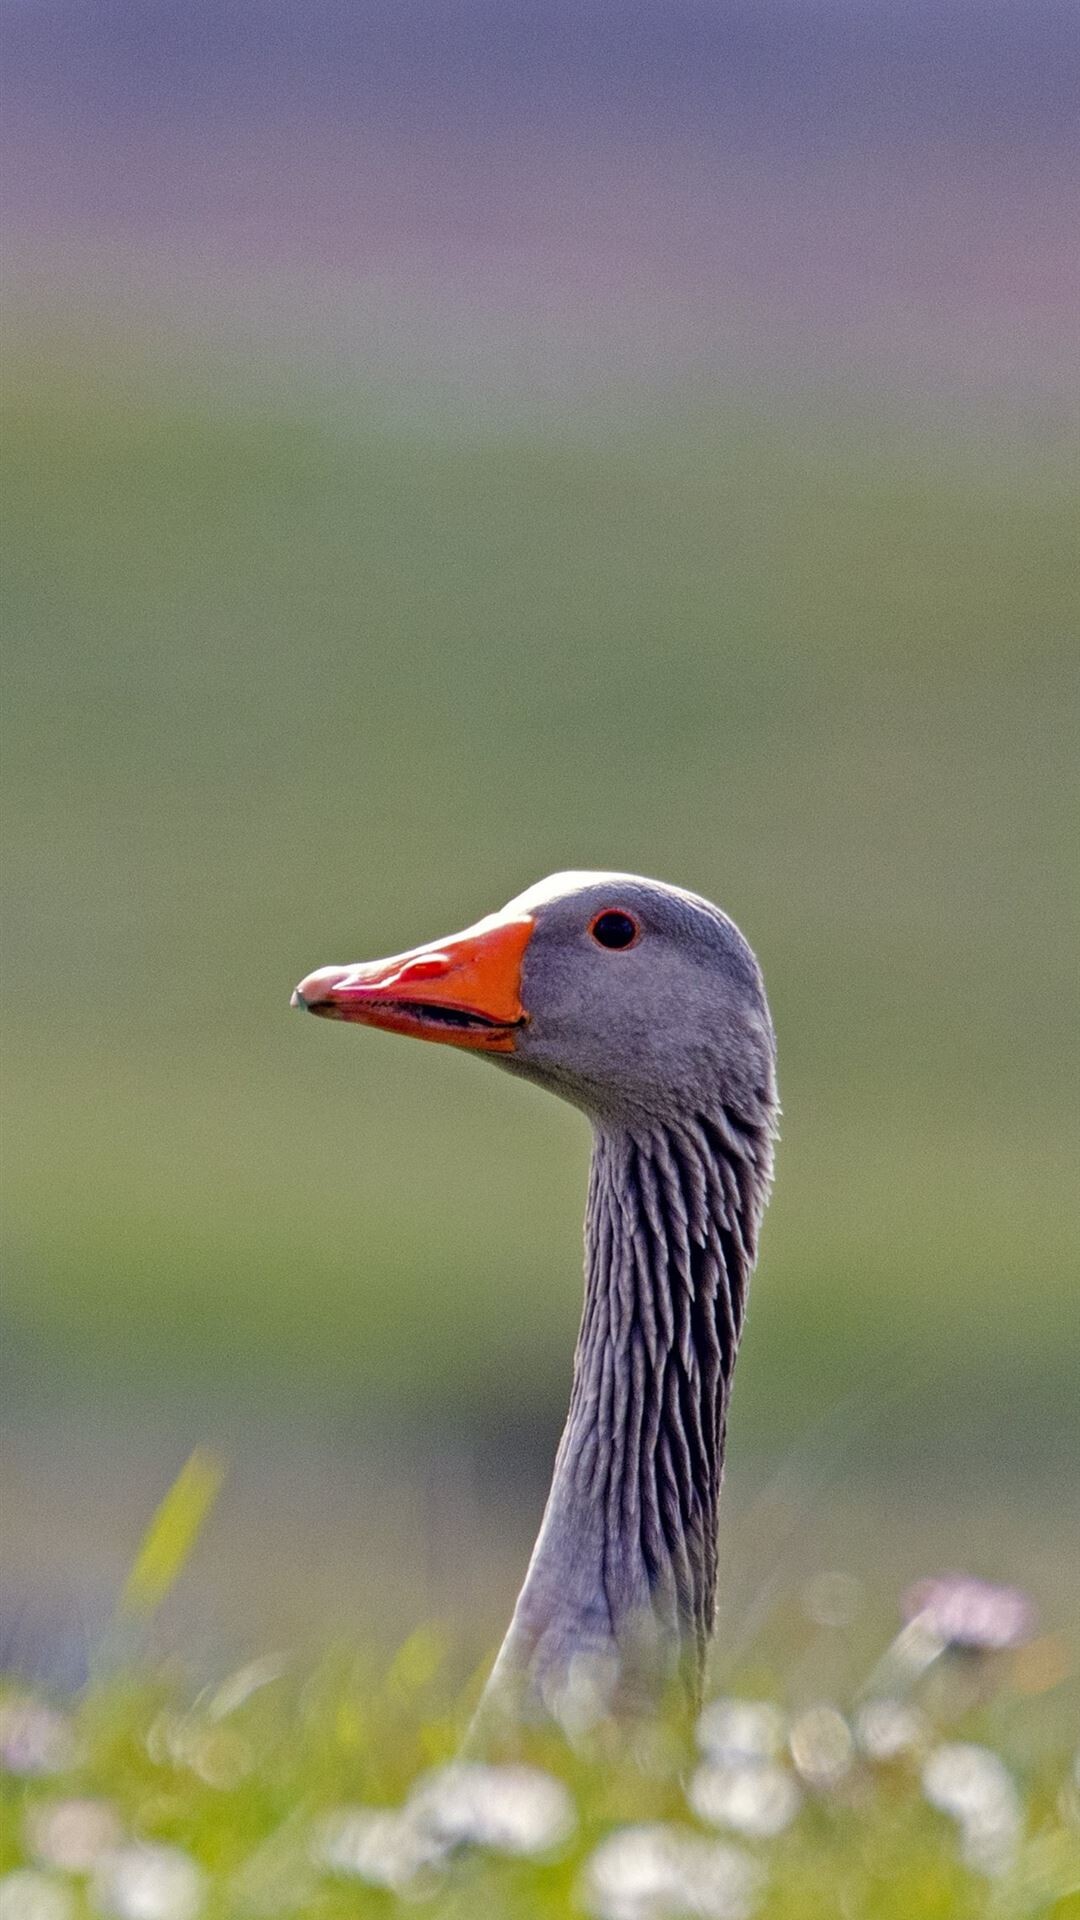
column 465, row 990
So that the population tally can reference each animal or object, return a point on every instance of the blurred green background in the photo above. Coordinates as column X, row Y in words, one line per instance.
column 313, row 654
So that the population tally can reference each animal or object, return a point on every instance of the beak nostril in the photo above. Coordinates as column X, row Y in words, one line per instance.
column 430, row 966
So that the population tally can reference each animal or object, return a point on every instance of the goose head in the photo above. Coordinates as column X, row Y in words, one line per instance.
column 632, row 999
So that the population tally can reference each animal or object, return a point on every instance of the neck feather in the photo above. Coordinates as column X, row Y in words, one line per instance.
column 627, row 1550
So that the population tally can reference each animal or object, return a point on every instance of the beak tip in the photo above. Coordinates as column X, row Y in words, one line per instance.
column 296, row 999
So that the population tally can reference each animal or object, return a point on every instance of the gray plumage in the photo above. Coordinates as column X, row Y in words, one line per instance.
column 668, row 1048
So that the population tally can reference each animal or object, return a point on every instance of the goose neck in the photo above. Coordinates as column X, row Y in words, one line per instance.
column 627, row 1551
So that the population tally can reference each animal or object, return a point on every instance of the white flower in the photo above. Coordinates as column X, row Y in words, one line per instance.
column 976, row 1789
column 758, row 1799
column 737, row 1730
column 72, row 1834
column 885, row 1729
column 510, row 1809
column 821, row 1746
column 515, row 1810
column 658, row 1872
column 380, row 1845
column 965, row 1780
column 25, row 1895
column 148, row 1883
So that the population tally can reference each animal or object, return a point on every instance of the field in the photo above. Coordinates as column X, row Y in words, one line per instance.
column 293, row 679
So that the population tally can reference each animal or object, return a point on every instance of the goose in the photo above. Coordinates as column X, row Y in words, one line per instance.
column 643, row 1005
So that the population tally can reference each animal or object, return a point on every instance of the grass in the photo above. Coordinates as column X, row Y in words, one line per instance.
column 259, row 1790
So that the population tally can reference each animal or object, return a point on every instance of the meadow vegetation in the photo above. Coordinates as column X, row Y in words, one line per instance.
column 292, row 680
column 933, row 1782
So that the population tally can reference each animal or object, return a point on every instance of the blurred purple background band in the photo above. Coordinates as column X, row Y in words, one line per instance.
column 562, row 195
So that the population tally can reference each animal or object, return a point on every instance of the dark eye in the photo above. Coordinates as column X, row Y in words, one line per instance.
column 613, row 928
